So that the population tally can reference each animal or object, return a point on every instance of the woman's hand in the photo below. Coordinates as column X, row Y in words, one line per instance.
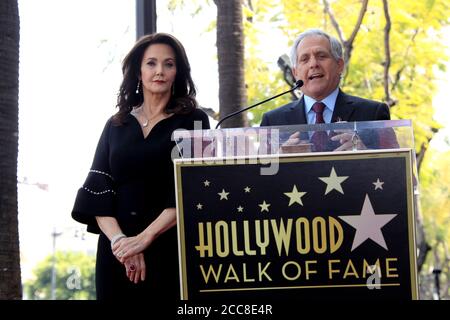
column 135, row 268
column 130, row 246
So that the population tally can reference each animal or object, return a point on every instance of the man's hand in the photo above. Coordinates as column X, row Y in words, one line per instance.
column 295, row 145
column 294, row 139
column 349, row 140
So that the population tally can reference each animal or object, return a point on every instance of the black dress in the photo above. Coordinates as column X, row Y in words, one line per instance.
column 132, row 179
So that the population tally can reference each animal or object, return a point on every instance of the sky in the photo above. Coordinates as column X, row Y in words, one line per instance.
column 70, row 55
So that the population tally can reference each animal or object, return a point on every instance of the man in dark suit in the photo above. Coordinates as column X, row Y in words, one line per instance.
column 317, row 60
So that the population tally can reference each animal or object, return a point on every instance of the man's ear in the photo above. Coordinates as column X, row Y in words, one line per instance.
column 294, row 73
column 341, row 65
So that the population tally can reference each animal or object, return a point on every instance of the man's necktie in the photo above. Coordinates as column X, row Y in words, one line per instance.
column 319, row 138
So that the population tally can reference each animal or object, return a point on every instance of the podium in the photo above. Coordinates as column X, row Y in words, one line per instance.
column 263, row 217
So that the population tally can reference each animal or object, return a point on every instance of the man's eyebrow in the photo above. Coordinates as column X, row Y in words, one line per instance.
column 322, row 51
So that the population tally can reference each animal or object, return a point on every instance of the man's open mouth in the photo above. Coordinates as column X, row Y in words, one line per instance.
column 315, row 76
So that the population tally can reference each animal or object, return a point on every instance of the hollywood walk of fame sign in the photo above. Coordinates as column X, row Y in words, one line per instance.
column 325, row 226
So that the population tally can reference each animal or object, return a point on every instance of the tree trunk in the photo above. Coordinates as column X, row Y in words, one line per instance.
column 230, row 52
column 10, row 283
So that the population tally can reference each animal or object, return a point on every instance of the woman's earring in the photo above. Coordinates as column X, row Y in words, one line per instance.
column 138, row 87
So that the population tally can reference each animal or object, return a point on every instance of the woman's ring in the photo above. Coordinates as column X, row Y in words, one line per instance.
column 132, row 267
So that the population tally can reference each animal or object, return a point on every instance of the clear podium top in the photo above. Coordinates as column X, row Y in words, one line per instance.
column 275, row 140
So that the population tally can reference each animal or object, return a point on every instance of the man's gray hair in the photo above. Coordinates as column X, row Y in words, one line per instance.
column 336, row 47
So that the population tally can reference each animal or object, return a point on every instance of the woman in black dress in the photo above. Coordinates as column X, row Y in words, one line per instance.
column 129, row 194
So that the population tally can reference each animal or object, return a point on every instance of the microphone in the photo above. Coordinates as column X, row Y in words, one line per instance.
column 298, row 84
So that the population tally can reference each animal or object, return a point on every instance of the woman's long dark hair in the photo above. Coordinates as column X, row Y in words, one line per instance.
column 182, row 100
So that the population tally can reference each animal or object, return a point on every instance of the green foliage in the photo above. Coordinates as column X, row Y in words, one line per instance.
column 417, row 51
column 260, row 20
column 435, row 202
column 75, row 278
column 435, row 199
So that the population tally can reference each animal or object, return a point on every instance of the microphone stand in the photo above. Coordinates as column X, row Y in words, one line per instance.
column 298, row 84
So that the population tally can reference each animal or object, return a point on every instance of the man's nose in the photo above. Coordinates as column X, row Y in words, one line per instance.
column 313, row 62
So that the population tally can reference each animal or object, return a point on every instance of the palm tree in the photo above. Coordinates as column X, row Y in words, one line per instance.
column 10, row 283
column 230, row 51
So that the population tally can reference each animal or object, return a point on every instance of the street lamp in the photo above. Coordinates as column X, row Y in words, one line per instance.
column 53, row 283
column 436, row 273
column 56, row 234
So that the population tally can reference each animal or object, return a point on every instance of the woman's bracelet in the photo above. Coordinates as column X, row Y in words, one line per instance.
column 116, row 238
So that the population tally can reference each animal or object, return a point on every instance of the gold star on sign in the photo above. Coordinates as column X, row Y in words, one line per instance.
column 264, row 206
column 240, row 209
column 295, row 196
column 206, row 183
column 223, row 195
column 199, row 206
column 378, row 184
column 247, row 189
column 333, row 182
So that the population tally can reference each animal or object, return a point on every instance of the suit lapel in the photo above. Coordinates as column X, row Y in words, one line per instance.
column 296, row 113
column 343, row 109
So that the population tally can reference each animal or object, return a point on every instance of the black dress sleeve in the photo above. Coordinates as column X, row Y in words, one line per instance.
column 97, row 195
column 203, row 117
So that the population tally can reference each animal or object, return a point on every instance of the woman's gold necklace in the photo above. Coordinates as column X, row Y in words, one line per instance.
column 145, row 123
column 142, row 114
